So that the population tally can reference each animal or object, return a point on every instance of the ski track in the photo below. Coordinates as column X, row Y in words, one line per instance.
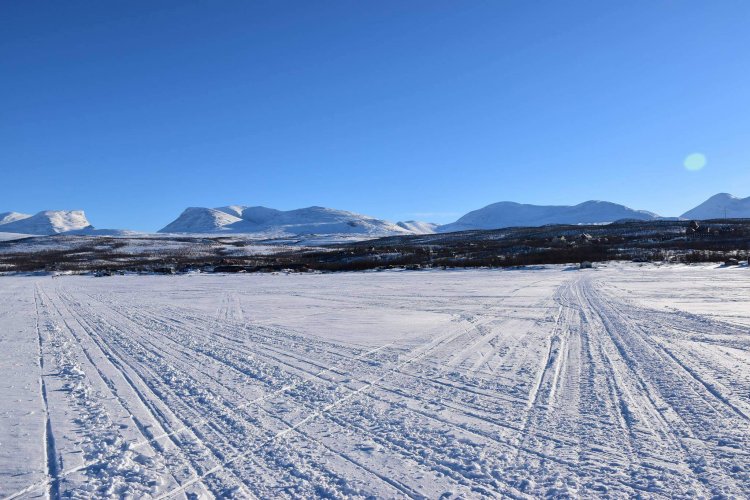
column 616, row 382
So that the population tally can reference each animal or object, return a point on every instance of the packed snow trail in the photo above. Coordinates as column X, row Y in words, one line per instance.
column 618, row 381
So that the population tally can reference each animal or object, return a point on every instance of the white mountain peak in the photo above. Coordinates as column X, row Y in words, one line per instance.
column 44, row 223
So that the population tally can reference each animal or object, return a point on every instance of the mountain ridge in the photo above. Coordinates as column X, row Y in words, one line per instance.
column 720, row 206
column 272, row 223
column 44, row 223
column 511, row 214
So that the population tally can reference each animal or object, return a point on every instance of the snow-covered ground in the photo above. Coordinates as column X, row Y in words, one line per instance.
column 619, row 381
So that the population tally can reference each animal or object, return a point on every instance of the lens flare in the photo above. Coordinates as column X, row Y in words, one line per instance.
column 695, row 161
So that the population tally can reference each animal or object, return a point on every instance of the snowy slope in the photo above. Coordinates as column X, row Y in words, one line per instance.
column 201, row 220
column 47, row 222
column 418, row 227
column 235, row 210
column 510, row 214
column 720, row 206
column 6, row 217
column 272, row 223
column 317, row 220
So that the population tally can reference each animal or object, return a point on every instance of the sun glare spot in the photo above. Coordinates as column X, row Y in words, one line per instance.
column 695, row 161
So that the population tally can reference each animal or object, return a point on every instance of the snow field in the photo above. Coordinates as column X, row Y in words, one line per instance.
column 618, row 381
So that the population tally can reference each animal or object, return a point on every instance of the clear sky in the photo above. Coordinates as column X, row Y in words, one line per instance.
column 396, row 109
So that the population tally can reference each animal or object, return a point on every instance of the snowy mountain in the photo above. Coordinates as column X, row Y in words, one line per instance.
column 7, row 217
column 719, row 206
column 44, row 223
column 510, row 214
column 270, row 223
column 418, row 227
column 201, row 220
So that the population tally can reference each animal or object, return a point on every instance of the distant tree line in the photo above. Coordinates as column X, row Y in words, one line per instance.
column 672, row 241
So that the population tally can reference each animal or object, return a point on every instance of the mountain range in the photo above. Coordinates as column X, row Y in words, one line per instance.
column 269, row 223
column 272, row 223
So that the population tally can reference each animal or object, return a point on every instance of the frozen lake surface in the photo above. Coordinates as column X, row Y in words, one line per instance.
column 618, row 381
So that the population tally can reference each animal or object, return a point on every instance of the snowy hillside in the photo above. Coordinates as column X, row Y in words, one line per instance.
column 418, row 227
column 510, row 214
column 7, row 217
column 720, row 206
column 201, row 220
column 44, row 223
column 271, row 223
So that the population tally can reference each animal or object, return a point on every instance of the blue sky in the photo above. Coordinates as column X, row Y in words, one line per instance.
column 401, row 110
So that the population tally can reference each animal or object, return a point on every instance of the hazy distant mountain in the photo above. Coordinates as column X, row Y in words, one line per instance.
column 44, row 223
column 271, row 223
column 720, row 206
column 510, row 214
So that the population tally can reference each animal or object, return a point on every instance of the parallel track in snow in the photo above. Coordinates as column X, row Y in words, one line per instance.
column 506, row 384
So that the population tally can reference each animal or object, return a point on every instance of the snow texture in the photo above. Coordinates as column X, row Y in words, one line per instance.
column 418, row 227
column 620, row 381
